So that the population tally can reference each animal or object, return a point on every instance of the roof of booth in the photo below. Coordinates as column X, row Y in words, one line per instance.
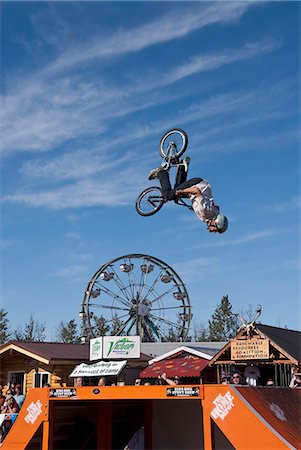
column 188, row 366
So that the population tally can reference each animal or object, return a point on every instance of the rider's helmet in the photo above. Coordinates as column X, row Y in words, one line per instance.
column 221, row 223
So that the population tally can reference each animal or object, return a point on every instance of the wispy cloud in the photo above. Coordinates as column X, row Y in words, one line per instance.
column 44, row 110
column 86, row 192
column 245, row 239
column 291, row 204
column 204, row 63
column 71, row 272
column 4, row 243
column 156, row 32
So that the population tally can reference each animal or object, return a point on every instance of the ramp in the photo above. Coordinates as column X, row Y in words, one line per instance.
column 218, row 417
column 262, row 417
column 32, row 415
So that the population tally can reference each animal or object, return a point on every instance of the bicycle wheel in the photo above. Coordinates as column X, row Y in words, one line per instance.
column 173, row 144
column 149, row 201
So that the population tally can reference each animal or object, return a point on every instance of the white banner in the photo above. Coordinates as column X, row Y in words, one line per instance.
column 95, row 349
column 119, row 347
column 102, row 368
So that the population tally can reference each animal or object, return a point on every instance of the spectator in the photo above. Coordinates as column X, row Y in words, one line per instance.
column 252, row 375
column 78, row 382
column 46, row 385
column 10, row 406
column 11, row 387
column 176, row 379
column 225, row 380
column 147, row 384
column 6, row 426
column 295, row 381
column 2, row 398
column 19, row 397
column 237, row 379
column 270, row 382
column 138, row 382
column 165, row 380
column 102, row 381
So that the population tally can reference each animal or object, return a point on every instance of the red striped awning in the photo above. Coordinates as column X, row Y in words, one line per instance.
column 189, row 366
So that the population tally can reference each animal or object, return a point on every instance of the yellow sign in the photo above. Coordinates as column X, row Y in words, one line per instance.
column 250, row 349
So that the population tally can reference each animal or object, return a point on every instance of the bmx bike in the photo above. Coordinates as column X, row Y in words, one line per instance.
column 171, row 147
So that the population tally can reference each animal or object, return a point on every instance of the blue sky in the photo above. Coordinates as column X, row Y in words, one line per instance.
column 88, row 91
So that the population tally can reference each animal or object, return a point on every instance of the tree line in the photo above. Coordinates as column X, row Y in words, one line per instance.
column 222, row 326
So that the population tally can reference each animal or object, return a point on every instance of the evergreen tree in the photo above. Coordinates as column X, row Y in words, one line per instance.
column 33, row 331
column 101, row 328
column 223, row 324
column 67, row 332
column 4, row 331
column 116, row 325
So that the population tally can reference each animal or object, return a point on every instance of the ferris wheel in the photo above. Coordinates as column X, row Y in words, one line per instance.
column 138, row 295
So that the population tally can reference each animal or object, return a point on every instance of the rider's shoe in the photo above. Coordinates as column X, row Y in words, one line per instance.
column 154, row 173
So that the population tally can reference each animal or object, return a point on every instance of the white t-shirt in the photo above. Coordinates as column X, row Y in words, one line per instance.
column 203, row 205
column 252, row 373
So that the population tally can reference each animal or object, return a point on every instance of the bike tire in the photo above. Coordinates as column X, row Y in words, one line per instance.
column 177, row 137
column 150, row 201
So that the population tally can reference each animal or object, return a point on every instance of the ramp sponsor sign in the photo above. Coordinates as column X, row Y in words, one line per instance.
column 95, row 349
column 101, row 368
column 222, row 405
column 250, row 349
column 117, row 347
column 62, row 393
column 183, row 391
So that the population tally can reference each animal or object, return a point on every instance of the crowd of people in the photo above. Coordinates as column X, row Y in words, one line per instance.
column 249, row 377
column 11, row 401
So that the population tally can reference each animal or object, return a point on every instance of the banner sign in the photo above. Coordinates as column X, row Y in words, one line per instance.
column 62, row 393
column 95, row 348
column 183, row 392
column 101, row 368
column 117, row 347
column 250, row 349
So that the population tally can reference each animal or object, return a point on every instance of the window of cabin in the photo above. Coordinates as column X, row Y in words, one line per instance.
column 40, row 378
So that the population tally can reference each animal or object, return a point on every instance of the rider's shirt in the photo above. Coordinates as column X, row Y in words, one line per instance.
column 203, row 205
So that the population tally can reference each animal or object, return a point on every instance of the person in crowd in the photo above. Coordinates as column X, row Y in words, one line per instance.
column 46, row 385
column 237, row 379
column 270, row 382
column 19, row 397
column 162, row 379
column 12, row 388
column 2, row 398
column 295, row 381
column 252, row 375
column 147, row 383
column 176, row 379
column 102, row 381
column 6, row 425
column 225, row 380
column 78, row 382
column 10, row 406
column 138, row 382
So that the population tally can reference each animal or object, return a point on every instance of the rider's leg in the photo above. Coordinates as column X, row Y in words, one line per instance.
column 182, row 172
column 186, row 184
column 163, row 176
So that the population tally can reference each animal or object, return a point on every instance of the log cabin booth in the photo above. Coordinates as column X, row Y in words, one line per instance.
column 188, row 364
column 32, row 364
column 264, row 355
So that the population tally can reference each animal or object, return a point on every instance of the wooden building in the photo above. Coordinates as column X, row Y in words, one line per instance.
column 273, row 351
column 32, row 364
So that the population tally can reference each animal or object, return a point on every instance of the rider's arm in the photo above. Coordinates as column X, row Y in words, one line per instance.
column 188, row 191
